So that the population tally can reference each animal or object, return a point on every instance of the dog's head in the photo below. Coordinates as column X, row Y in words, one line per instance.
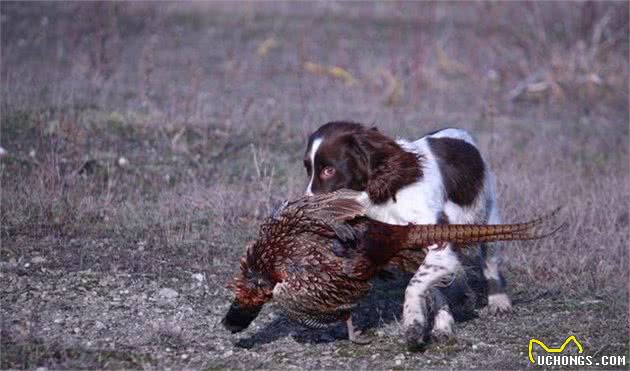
column 350, row 155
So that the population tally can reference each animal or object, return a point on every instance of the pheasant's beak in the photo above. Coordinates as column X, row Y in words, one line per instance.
column 238, row 317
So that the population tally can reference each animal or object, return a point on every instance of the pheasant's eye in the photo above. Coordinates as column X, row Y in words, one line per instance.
column 327, row 172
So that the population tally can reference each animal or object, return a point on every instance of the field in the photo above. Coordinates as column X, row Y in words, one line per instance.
column 143, row 144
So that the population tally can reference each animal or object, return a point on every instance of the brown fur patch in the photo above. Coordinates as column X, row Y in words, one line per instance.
column 461, row 167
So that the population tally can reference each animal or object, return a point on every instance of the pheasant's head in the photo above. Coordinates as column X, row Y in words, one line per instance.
column 252, row 289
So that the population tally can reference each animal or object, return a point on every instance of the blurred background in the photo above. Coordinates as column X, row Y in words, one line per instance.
column 143, row 143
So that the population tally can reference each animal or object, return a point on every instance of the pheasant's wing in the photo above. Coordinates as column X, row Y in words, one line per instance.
column 317, row 304
column 335, row 209
column 408, row 260
column 338, row 206
column 361, row 267
column 326, row 214
column 300, row 306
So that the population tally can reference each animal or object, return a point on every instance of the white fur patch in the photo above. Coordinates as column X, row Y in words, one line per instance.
column 455, row 134
column 314, row 147
column 444, row 322
column 493, row 259
column 491, row 269
column 415, row 306
column 438, row 269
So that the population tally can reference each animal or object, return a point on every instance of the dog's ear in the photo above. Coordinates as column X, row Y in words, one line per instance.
column 390, row 168
column 358, row 150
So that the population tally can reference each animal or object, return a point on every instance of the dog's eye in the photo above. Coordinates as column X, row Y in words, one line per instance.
column 327, row 172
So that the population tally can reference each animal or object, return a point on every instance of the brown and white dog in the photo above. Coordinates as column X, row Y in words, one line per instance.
column 439, row 178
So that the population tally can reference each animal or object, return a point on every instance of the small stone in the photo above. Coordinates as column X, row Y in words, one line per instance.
column 492, row 75
column 122, row 161
column 27, row 265
column 475, row 346
column 228, row 353
column 76, row 330
column 141, row 245
column 184, row 356
column 32, row 153
column 99, row 325
column 38, row 260
column 3, row 152
column 198, row 277
column 168, row 293
column 399, row 362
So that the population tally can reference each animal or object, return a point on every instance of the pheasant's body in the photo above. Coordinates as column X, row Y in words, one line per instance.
column 316, row 256
column 295, row 250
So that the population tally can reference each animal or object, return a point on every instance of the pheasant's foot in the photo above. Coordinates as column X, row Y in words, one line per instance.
column 355, row 335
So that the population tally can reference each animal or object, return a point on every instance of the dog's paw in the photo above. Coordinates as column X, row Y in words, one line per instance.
column 498, row 305
column 416, row 337
column 443, row 326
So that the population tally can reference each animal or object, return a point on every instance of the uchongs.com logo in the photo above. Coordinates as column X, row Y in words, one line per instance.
column 560, row 356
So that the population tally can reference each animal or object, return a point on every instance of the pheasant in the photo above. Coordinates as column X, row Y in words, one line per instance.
column 315, row 257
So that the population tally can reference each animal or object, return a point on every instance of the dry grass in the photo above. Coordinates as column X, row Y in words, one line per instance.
column 149, row 140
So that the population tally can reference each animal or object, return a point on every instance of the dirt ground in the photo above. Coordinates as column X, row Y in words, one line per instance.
column 146, row 142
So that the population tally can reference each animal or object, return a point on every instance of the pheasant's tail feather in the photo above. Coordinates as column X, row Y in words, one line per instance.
column 478, row 233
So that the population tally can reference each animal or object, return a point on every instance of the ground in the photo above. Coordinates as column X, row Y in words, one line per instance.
column 146, row 142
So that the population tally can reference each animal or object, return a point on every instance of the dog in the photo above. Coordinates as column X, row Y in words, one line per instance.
column 439, row 178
